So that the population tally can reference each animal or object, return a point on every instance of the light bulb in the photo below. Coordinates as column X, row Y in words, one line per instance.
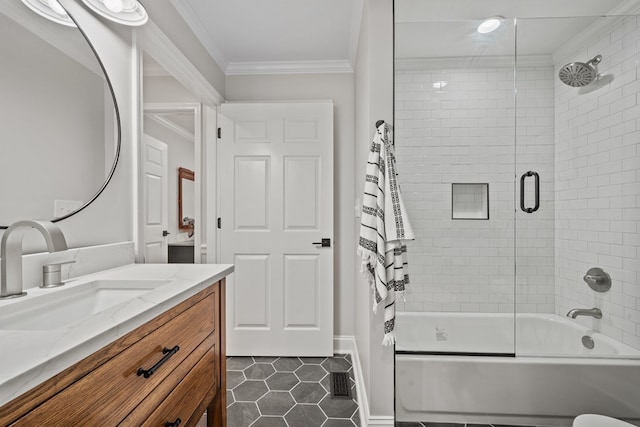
column 114, row 6
column 489, row 25
column 439, row 84
column 55, row 6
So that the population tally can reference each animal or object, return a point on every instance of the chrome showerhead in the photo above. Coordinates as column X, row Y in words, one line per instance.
column 579, row 74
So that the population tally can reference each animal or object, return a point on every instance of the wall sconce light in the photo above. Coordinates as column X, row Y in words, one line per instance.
column 51, row 10
column 125, row 12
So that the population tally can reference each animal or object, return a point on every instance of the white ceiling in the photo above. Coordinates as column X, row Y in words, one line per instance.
column 245, row 36
column 457, row 10
column 447, row 28
column 265, row 36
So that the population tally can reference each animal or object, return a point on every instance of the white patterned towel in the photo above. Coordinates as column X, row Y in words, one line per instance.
column 384, row 229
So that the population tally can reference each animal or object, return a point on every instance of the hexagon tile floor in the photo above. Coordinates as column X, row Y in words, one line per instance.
column 288, row 392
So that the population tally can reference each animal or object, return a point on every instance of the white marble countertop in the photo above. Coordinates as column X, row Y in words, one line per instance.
column 30, row 357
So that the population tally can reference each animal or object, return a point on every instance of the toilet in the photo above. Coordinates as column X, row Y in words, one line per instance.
column 594, row 420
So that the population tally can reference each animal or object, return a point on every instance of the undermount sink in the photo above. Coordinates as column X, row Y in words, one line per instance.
column 66, row 306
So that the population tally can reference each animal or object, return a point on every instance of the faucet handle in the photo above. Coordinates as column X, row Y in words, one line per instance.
column 52, row 274
column 598, row 279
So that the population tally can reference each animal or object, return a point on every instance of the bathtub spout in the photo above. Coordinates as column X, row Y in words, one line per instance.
column 593, row 312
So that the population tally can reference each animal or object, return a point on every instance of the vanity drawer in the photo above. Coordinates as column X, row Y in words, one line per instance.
column 109, row 393
column 187, row 396
column 169, row 385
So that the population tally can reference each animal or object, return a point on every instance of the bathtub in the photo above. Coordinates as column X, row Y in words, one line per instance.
column 460, row 367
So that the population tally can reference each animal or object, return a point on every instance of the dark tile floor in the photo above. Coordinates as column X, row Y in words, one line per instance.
column 288, row 392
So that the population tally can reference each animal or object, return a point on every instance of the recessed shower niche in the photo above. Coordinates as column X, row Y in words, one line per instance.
column 469, row 201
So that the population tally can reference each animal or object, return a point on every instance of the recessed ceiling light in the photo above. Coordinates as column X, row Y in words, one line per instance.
column 490, row 24
column 51, row 10
column 125, row 12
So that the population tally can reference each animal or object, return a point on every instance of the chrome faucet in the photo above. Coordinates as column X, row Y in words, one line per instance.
column 11, row 253
column 593, row 312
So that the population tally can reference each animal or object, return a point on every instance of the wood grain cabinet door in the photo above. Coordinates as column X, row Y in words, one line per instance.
column 187, row 396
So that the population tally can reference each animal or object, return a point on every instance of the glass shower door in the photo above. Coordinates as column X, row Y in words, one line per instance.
column 576, row 155
column 454, row 137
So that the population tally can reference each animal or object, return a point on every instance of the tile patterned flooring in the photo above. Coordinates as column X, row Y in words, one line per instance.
column 288, row 392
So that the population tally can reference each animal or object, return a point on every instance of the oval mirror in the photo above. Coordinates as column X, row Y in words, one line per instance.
column 59, row 122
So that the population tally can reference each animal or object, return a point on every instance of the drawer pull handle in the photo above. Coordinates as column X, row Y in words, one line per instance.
column 168, row 352
column 176, row 423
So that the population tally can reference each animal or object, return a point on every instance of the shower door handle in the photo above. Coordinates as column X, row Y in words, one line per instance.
column 536, row 178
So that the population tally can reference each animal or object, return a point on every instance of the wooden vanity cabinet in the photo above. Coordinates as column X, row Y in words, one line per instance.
column 110, row 387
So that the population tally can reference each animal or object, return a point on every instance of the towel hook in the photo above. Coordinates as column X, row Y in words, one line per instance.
column 385, row 134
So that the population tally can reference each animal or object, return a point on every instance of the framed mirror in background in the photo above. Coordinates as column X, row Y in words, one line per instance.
column 186, row 200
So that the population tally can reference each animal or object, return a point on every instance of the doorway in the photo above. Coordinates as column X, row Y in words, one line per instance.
column 178, row 126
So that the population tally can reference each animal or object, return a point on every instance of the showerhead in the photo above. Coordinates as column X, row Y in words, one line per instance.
column 579, row 74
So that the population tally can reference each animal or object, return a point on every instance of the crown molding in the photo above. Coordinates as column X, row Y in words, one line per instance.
column 173, row 127
column 167, row 54
column 289, row 67
column 191, row 18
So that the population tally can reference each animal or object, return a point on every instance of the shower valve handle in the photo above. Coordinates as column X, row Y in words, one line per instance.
column 593, row 279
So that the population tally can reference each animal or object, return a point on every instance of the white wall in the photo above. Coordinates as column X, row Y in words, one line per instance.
column 464, row 133
column 363, row 132
column 166, row 89
column 374, row 101
column 597, row 184
column 339, row 88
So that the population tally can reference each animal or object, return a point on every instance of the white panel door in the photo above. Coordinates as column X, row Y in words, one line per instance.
column 156, row 193
column 276, row 202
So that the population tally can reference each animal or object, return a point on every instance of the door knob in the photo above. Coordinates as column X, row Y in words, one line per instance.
column 165, row 233
column 325, row 243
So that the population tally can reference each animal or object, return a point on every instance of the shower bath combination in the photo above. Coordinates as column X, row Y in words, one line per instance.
column 580, row 74
column 484, row 335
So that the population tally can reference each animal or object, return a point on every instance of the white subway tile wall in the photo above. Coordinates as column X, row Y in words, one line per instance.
column 597, row 178
column 584, row 144
column 465, row 133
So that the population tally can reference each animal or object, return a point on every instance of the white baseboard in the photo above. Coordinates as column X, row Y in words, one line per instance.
column 375, row 420
column 346, row 344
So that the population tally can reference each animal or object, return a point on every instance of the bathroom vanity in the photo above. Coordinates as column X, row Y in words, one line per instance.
column 157, row 358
